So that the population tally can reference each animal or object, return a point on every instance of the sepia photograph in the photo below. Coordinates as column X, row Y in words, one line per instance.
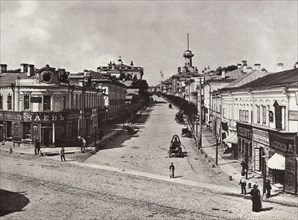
column 148, row 109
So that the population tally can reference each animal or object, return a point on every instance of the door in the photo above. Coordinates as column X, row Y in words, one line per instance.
column 46, row 135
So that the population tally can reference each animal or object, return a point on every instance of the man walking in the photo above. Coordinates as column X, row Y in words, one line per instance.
column 244, row 168
column 243, row 185
column 62, row 154
column 37, row 147
column 172, row 170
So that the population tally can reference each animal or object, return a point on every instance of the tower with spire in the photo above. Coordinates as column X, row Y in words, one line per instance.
column 188, row 55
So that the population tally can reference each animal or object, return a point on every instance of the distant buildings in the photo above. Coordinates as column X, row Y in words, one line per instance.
column 253, row 113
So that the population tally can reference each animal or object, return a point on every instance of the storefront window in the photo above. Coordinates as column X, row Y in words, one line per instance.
column 26, row 102
column 47, row 102
column 26, row 131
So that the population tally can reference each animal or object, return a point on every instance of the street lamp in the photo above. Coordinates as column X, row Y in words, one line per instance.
column 265, row 172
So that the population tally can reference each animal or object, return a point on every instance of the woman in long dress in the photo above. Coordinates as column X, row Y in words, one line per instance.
column 256, row 199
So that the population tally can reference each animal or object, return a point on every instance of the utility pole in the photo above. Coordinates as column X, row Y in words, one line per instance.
column 216, row 154
column 200, row 116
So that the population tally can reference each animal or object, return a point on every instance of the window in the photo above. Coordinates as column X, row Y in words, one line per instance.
column 264, row 114
column 26, row 131
column 240, row 115
column 9, row 102
column 26, row 102
column 1, row 102
column 246, row 112
column 258, row 114
column 47, row 102
column 64, row 102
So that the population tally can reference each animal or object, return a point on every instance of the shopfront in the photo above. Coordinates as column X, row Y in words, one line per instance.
column 51, row 128
column 260, row 149
column 283, row 160
column 244, row 134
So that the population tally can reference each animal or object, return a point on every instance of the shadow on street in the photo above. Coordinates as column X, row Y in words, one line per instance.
column 11, row 202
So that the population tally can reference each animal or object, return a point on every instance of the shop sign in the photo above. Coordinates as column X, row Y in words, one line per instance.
column 282, row 143
column 260, row 136
column 11, row 116
column 293, row 115
column 290, row 175
column 35, row 99
column 43, row 117
column 244, row 132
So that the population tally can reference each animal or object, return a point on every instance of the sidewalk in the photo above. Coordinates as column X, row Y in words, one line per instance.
column 111, row 131
column 232, row 168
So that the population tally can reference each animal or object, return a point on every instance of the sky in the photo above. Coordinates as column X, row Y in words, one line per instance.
column 79, row 35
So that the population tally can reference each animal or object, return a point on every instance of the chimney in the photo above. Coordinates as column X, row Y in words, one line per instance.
column 239, row 65
column 3, row 68
column 24, row 67
column 244, row 66
column 179, row 69
column 120, row 60
column 30, row 70
column 223, row 73
column 280, row 67
column 296, row 65
column 257, row 66
column 131, row 63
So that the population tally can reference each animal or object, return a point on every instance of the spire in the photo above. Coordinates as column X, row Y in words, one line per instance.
column 187, row 41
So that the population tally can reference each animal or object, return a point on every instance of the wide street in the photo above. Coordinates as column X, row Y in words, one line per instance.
column 128, row 179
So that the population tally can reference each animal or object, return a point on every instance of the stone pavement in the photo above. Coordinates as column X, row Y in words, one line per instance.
column 232, row 168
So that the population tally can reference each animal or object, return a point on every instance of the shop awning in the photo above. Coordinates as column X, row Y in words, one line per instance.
column 276, row 162
column 231, row 139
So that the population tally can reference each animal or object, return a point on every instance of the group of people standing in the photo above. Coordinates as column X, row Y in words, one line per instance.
column 255, row 192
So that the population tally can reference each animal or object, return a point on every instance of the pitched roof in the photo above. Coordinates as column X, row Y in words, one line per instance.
column 284, row 78
column 244, row 79
column 7, row 78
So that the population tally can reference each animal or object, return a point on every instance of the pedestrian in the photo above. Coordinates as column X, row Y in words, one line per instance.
column 172, row 170
column 243, row 185
column 244, row 168
column 83, row 148
column 62, row 154
column 37, row 146
column 256, row 198
column 100, row 134
column 268, row 188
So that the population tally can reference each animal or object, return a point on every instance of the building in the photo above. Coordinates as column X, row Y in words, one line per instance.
column 114, row 93
column 265, row 115
column 42, row 104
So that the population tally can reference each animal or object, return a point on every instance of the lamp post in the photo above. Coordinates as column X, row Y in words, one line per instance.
column 216, row 153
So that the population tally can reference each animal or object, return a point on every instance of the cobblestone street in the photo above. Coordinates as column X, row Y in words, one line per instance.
column 147, row 150
column 129, row 179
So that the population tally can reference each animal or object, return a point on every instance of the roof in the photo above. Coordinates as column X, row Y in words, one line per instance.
column 244, row 79
column 7, row 78
column 284, row 78
column 235, row 74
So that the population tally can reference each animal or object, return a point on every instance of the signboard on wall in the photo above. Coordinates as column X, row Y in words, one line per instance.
column 260, row 136
column 35, row 99
column 257, row 159
column 293, row 115
column 290, row 175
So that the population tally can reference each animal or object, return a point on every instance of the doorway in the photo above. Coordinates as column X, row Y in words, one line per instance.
column 46, row 134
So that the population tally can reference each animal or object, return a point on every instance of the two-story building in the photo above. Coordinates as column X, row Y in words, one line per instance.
column 42, row 104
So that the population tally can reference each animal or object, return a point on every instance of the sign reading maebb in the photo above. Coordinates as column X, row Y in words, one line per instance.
column 260, row 136
column 44, row 117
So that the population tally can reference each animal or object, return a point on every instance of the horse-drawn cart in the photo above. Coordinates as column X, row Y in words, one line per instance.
column 175, row 147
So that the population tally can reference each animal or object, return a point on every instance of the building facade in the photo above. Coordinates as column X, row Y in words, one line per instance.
column 42, row 104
